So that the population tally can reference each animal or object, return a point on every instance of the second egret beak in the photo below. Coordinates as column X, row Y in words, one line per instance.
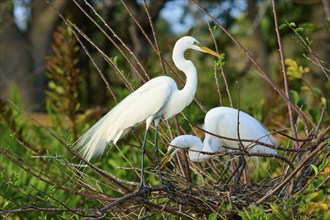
column 168, row 156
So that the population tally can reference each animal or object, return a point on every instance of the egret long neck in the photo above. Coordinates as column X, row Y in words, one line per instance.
column 188, row 92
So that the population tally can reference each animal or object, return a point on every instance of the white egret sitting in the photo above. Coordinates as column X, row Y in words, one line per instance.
column 223, row 121
column 156, row 98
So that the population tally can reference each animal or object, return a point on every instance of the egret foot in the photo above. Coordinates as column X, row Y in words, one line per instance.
column 169, row 187
column 144, row 190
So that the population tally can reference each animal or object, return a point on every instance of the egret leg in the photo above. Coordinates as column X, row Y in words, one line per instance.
column 242, row 164
column 223, row 172
column 143, row 182
column 168, row 187
column 157, row 156
column 233, row 174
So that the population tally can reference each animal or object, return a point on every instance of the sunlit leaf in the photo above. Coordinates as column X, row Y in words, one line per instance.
column 292, row 24
column 299, row 29
column 316, row 170
column 282, row 26
column 212, row 216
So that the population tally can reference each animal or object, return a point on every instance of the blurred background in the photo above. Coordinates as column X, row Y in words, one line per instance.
column 28, row 26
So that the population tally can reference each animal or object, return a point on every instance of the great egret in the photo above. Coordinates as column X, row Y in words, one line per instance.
column 156, row 98
column 223, row 121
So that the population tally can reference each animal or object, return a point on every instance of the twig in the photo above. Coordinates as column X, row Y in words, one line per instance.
column 117, row 37
column 143, row 201
column 158, row 51
column 215, row 67
column 320, row 121
column 38, row 209
column 285, row 76
column 317, row 58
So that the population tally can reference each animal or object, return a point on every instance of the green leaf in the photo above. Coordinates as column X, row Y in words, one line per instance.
column 309, row 41
column 212, row 216
column 282, row 26
column 292, row 24
column 299, row 29
column 316, row 170
column 315, row 114
column 294, row 96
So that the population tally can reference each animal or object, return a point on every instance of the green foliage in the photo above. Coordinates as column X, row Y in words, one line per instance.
column 220, row 62
column 253, row 213
column 63, row 80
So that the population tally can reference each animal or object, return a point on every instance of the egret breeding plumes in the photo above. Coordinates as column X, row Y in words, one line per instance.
column 228, row 123
column 159, row 97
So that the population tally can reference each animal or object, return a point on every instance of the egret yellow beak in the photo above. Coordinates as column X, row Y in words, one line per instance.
column 209, row 51
column 168, row 156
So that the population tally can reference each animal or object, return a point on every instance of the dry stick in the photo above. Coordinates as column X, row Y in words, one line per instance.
column 241, row 146
column 262, row 155
column 291, row 175
column 317, row 58
column 222, row 73
column 324, row 69
column 215, row 67
column 106, row 58
column 34, row 209
column 260, row 70
column 185, row 172
column 320, row 121
column 72, row 210
column 144, row 202
column 138, row 24
column 326, row 180
column 285, row 76
column 118, row 38
column 320, row 144
column 158, row 51
column 292, row 138
column 227, row 88
column 312, row 179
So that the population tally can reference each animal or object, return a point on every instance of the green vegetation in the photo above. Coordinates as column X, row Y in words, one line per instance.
column 42, row 178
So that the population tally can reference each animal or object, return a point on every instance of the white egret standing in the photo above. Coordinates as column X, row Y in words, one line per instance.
column 156, row 98
column 223, row 121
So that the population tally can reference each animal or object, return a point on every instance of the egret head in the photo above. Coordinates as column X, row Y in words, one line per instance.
column 192, row 43
column 183, row 142
column 171, row 151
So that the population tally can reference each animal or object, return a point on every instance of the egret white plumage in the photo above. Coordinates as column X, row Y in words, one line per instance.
column 223, row 121
column 159, row 97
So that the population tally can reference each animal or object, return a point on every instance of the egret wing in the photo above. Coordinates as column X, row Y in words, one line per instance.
column 143, row 103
